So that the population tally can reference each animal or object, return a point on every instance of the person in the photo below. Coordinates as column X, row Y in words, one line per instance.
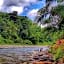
column 41, row 49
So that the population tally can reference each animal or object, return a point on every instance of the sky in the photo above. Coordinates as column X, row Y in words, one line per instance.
column 27, row 8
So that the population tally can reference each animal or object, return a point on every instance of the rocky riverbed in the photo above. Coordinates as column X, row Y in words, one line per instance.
column 28, row 55
column 22, row 55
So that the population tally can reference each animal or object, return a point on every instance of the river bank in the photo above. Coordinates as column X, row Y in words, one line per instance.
column 17, row 46
column 25, row 54
column 17, row 54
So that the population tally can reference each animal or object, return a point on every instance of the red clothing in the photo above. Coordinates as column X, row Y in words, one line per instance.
column 59, row 42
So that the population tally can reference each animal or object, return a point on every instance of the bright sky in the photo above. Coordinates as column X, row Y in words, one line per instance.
column 24, row 7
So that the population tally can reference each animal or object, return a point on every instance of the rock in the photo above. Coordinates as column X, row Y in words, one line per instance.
column 42, row 62
column 36, row 57
column 8, row 63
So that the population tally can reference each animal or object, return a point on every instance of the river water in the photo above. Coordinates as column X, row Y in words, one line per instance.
column 19, row 53
column 21, row 50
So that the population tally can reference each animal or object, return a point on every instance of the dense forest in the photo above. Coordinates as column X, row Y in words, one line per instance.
column 18, row 29
column 21, row 30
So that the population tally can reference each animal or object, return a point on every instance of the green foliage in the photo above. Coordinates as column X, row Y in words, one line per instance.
column 20, row 29
column 51, row 34
column 57, row 52
column 59, row 0
column 27, row 42
column 59, row 10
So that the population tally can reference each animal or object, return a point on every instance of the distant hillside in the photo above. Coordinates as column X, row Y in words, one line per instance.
column 51, row 22
column 18, row 29
column 47, row 17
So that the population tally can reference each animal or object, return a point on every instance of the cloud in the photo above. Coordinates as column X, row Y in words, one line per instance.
column 15, row 5
column 31, row 1
column 16, row 8
column 1, row 3
column 31, row 14
column 23, row 7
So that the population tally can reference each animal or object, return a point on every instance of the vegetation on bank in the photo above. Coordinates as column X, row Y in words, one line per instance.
column 18, row 30
column 21, row 30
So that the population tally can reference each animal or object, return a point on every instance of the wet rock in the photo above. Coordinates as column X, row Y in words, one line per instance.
column 36, row 57
column 8, row 63
column 26, row 58
column 42, row 62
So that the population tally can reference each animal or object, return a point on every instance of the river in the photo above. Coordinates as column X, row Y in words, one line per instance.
column 20, row 50
column 19, row 53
